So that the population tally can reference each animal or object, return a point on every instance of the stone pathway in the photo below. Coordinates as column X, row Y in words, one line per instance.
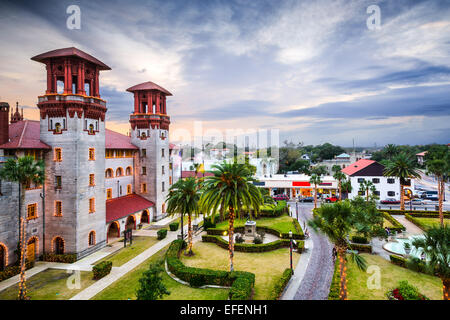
column 411, row 228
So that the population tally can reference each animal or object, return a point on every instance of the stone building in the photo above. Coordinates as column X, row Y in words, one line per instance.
column 98, row 182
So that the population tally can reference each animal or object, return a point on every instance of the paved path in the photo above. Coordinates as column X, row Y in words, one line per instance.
column 316, row 281
column 411, row 228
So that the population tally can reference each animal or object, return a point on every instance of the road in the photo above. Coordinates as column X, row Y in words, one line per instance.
column 319, row 273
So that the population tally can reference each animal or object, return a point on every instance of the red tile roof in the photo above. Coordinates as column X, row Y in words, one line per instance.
column 148, row 86
column 67, row 52
column 357, row 166
column 24, row 135
column 123, row 206
column 115, row 140
column 187, row 174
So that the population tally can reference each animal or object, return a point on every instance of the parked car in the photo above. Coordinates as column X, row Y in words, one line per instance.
column 279, row 197
column 390, row 201
column 331, row 199
column 416, row 202
column 307, row 199
column 430, row 195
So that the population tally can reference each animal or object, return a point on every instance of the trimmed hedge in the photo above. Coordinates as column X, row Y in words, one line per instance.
column 359, row 239
column 335, row 283
column 208, row 223
column 397, row 226
column 361, row 247
column 281, row 284
column 174, row 226
column 248, row 247
column 402, row 262
column 426, row 212
column 412, row 218
column 14, row 270
column 102, row 269
column 397, row 260
column 241, row 282
column 63, row 258
column 295, row 235
column 161, row 234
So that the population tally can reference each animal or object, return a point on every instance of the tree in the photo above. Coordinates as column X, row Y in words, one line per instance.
column 390, row 150
column 336, row 221
column 339, row 176
column 440, row 169
column 367, row 186
column 404, row 168
column 23, row 171
column 436, row 246
column 151, row 286
column 315, row 180
column 319, row 170
column 231, row 189
column 183, row 199
column 346, row 186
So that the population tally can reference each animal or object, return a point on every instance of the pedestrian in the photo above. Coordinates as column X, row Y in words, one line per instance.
column 334, row 253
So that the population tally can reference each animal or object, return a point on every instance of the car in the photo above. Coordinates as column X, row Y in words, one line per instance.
column 416, row 202
column 279, row 197
column 307, row 199
column 429, row 195
column 331, row 199
column 390, row 201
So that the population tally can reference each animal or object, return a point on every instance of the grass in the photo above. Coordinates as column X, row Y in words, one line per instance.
column 283, row 223
column 140, row 244
column 429, row 222
column 267, row 266
column 50, row 284
column 390, row 275
column 387, row 223
column 125, row 287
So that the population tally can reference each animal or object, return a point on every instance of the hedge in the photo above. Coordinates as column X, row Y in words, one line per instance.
column 241, row 282
column 427, row 212
column 335, row 283
column 359, row 239
column 248, row 247
column 397, row 226
column 14, row 270
column 412, row 218
column 361, row 247
column 281, row 284
column 295, row 235
column 161, row 234
column 403, row 262
column 174, row 226
column 63, row 258
column 102, row 269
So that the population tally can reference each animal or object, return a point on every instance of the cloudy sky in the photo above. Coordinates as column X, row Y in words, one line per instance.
column 312, row 69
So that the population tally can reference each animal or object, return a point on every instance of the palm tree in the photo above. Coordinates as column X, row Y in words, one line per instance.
column 390, row 150
column 404, row 168
column 23, row 170
column 436, row 246
column 367, row 186
column 346, row 186
column 315, row 180
column 183, row 198
column 231, row 189
column 336, row 221
column 339, row 176
column 439, row 168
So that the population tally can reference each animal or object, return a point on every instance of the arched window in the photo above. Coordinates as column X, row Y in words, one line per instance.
column 92, row 238
column 58, row 245
column 128, row 171
column 91, row 128
column 3, row 256
column 119, row 172
column 109, row 173
column 58, row 127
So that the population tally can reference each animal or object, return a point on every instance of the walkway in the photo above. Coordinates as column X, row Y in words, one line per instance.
column 411, row 228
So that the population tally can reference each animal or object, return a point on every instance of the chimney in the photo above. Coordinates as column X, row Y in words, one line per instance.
column 4, row 122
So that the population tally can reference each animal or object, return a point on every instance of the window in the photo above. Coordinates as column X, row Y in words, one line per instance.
column 91, row 205
column 144, row 153
column 162, row 170
column 360, row 180
column 92, row 238
column 162, row 187
column 92, row 180
column 109, row 173
column 91, row 153
column 361, row 193
column 144, row 171
column 390, row 180
column 170, row 180
column 391, row 193
column 119, row 172
column 58, row 182
column 58, row 209
column 128, row 188
column 162, row 153
column 377, row 193
column 109, row 154
column 91, row 128
column 120, row 190
column 128, row 153
column 376, row 180
column 32, row 211
column 58, row 154
column 108, row 194
column 128, row 171
column 58, row 127
column 144, row 188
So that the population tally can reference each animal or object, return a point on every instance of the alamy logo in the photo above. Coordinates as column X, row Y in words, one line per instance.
column 373, row 22
column 74, row 20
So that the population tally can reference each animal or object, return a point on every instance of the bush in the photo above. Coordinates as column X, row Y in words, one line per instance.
column 174, row 226
column 425, row 213
column 161, row 234
column 281, row 284
column 258, row 240
column 239, row 238
column 63, row 258
column 359, row 239
column 405, row 291
column 295, row 235
column 102, row 269
column 361, row 247
column 397, row 260
column 397, row 226
column 151, row 286
column 14, row 270
column 209, row 222
column 335, row 283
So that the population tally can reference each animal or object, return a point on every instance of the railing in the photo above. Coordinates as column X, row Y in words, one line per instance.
column 71, row 97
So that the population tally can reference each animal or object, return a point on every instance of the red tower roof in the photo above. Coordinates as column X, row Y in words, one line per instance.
column 148, row 86
column 67, row 52
column 357, row 166
column 24, row 135
column 116, row 140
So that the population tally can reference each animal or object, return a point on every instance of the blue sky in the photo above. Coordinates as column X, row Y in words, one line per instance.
column 311, row 69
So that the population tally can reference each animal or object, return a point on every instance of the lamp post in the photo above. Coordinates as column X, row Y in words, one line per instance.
column 296, row 208
column 290, row 249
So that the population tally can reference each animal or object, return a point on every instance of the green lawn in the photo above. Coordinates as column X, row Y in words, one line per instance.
column 390, row 275
column 50, row 284
column 429, row 222
column 283, row 223
column 267, row 266
column 125, row 287
column 140, row 244
column 387, row 223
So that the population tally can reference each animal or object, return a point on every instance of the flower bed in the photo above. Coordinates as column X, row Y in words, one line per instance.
column 405, row 291
column 63, row 258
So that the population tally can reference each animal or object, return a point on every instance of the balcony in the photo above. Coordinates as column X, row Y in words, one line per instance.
column 71, row 97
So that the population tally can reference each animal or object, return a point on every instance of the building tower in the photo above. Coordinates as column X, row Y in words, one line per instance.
column 72, row 122
column 4, row 123
column 16, row 117
column 150, row 133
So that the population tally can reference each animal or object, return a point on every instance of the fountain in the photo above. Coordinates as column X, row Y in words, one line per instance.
column 403, row 246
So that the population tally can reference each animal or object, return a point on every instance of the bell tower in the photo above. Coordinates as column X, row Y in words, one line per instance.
column 72, row 122
column 150, row 132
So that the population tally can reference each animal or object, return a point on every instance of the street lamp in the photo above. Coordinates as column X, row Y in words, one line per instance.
column 296, row 208
column 290, row 247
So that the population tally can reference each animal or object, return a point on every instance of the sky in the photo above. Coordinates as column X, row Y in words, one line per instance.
column 314, row 70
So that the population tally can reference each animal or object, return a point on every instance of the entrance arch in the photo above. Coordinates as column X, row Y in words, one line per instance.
column 58, row 245
column 3, row 256
column 145, row 217
column 113, row 230
column 32, row 247
column 131, row 222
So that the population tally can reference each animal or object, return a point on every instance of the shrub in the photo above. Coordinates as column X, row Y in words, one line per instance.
column 174, row 226
column 102, row 269
column 151, row 286
column 258, row 240
column 397, row 226
column 161, row 234
column 239, row 238
column 64, row 258
column 335, row 283
column 14, row 270
column 405, row 291
column 281, row 284
column 361, row 247
column 209, row 222
column 397, row 260
column 359, row 239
